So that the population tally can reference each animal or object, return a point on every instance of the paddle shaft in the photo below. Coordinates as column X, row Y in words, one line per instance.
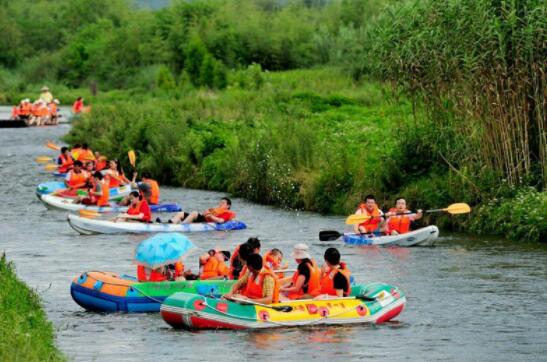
column 286, row 308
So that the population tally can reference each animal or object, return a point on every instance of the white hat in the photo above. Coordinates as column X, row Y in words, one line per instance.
column 56, row 101
column 300, row 251
column 44, row 89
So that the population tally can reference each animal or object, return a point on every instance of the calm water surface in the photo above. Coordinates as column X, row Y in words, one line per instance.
column 469, row 298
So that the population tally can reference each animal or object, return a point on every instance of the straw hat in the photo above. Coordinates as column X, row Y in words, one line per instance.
column 300, row 251
column 44, row 89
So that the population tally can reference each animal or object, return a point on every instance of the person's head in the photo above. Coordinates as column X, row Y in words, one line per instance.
column 225, row 203
column 244, row 251
column 300, row 251
column 77, row 165
column 64, row 150
column 79, row 99
column 134, row 196
column 89, row 166
column 113, row 165
column 85, row 146
column 254, row 243
column 332, row 256
column 370, row 202
column 400, row 204
column 276, row 255
column 98, row 175
column 222, row 255
column 76, row 146
column 254, row 263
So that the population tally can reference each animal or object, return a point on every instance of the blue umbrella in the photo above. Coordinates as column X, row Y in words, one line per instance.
column 162, row 249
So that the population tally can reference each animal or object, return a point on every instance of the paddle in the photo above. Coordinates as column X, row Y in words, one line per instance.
column 43, row 159
column 50, row 167
column 454, row 209
column 53, row 146
column 132, row 158
column 90, row 214
column 283, row 308
column 331, row 235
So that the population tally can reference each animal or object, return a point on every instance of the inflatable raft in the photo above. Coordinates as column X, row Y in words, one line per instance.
column 65, row 204
column 46, row 188
column 87, row 226
column 422, row 237
column 109, row 292
column 373, row 303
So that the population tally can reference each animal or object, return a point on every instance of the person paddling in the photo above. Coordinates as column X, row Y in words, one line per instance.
column 305, row 281
column 400, row 218
column 77, row 177
column 372, row 224
column 220, row 214
column 335, row 276
column 138, row 210
column 65, row 160
column 115, row 174
column 259, row 285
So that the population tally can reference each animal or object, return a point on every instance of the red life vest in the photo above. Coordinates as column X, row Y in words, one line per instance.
column 77, row 179
column 255, row 283
column 146, row 275
column 140, row 207
column 269, row 263
column 65, row 163
column 327, row 280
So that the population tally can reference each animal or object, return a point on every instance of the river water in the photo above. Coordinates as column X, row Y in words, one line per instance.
column 469, row 298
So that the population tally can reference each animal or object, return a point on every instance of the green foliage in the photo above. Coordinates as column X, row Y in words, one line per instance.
column 27, row 335
column 165, row 79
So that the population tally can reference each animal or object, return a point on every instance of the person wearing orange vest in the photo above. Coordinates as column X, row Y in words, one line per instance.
column 305, row 282
column 238, row 260
column 154, row 197
column 85, row 154
column 64, row 160
column 138, row 210
column 213, row 265
column 335, row 276
column 115, row 174
column 220, row 214
column 145, row 274
column 370, row 209
column 54, row 112
column 272, row 261
column 99, row 194
column 259, row 285
column 399, row 218
column 77, row 177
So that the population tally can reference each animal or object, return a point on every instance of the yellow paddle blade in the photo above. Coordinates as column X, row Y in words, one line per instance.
column 89, row 213
column 43, row 159
column 53, row 146
column 356, row 219
column 50, row 167
column 459, row 208
column 132, row 157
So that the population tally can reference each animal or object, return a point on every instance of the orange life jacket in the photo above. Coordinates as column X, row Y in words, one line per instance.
column 221, row 210
column 113, row 179
column 105, row 195
column 136, row 209
column 314, row 285
column 146, row 275
column 233, row 258
column 327, row 280
column 42, row 111
column 209, row 268
column 53, row 109
column 77, row 179
column 86, row 155
column 66, row 163
column 271, row 264
column 255, row 283
column 154, row 190
column 25, row 109
column 370, row 224
column 101, row 165
column 399, row 223
column 15, row 112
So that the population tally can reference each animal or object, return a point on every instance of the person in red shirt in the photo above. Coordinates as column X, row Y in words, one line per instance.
column 138, row 210
column 220, row 214
column 78, row 105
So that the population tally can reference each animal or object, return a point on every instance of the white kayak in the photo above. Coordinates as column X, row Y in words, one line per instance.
column 65, row 204
column 50, row 187
column 422, row 237
column 89, row 226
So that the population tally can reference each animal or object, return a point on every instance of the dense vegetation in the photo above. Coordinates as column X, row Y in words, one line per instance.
column 308, row 103
column 30, row 336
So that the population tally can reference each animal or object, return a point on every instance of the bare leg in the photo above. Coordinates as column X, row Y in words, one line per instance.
column 178, row 217
column 190, row 218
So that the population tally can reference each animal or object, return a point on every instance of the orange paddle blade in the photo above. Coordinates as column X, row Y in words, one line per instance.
column 459, row 208
column 132, row 157
column 357, row 219
column 89, row 213
column 53, row 146
column 50, row 167
column 43, row 159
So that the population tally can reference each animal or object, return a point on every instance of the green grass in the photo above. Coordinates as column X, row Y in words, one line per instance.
column 26, row 334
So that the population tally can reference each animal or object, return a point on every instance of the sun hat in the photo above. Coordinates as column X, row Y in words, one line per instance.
column 44, row 89
column 300, row 251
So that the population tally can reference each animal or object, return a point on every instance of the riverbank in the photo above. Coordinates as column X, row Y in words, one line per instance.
column 30, row 336
column 305, row 139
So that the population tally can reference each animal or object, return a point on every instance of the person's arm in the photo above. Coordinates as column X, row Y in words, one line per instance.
column 237, row 286
column 297, row 285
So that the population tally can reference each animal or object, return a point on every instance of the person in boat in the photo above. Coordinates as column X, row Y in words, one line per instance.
column 170, row 272
column 305, row 282
column 259, row 284
column 77, row 177
column 89, row 166
column 400, row 218
column 115, row 174
column 238, row 260
column 54, row 112
column 46, row 95
column 102, row 161
column 220, row 214
column 372, row 224
column 335, row 276
column 138, row 210
column 213, row 265
column 99, row 192
column 85, row 153
column 78, row 105
column 75, row 151
column 273, row 260
column 39, row 114
column 65, row 160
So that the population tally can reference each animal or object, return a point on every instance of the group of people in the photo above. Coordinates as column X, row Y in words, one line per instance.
column 396, row 221
column 45, row 110
column 262, row 278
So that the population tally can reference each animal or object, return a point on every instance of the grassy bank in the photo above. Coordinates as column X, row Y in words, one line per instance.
column 306, row 139
column 27, row 335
